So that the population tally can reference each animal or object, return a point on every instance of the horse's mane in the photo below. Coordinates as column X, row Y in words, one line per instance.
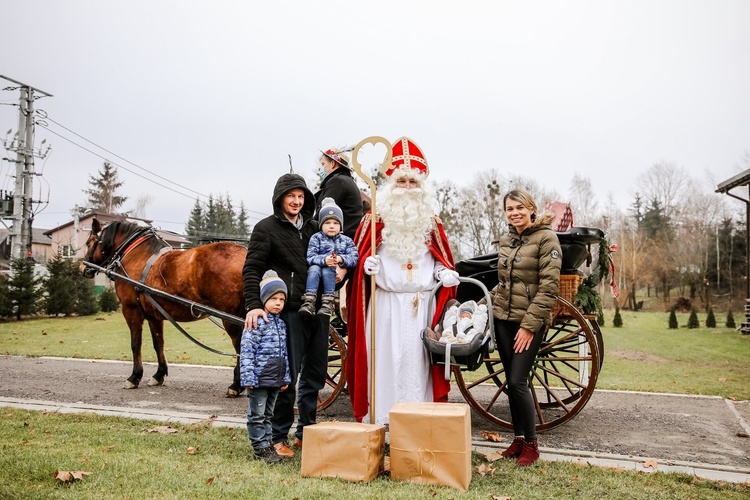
column 126, row 228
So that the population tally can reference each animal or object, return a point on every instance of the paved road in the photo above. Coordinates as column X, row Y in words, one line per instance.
column 669, row 428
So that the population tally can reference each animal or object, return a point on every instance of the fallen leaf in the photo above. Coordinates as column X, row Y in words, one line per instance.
column 162, row 429
column 575, row 478
column 191, row 451
column 495, row 497
column 85, row 460
column 227, row 480
column 650, row 463
column 44, row 333
column 492, row 436
column 62, row 342
column 485, row 469
column 722, row 379
column 742, row 434
column 109, row 448
column 685, row 374
column 210, row 480
column 493, row 457
column 69, row 476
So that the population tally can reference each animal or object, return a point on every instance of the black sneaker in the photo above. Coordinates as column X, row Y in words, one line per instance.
column 268, row 454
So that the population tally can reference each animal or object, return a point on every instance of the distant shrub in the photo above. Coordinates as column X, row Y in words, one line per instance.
column 108, row 300
column 693, row 319
column 683, row 304
column 710, row 319
column 673, row 320
column 730, row 320
column 617, row 321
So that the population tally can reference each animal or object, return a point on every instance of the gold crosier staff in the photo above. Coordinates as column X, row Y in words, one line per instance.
column 386, row 165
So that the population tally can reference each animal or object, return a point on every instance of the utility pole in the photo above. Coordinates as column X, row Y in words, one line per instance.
column 23, row 144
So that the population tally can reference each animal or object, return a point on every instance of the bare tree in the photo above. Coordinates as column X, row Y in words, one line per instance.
column 666, row 183
column 582, row 201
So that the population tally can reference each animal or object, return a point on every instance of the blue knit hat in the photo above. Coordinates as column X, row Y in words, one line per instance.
column 329, row 210
column 270, row 285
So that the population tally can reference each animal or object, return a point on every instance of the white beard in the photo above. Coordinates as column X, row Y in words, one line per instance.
column 407, row 217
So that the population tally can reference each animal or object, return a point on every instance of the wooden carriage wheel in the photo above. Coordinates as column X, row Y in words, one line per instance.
column 335, row 380
column 563, row 376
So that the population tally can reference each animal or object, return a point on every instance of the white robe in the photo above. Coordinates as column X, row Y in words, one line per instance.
column 402, row 364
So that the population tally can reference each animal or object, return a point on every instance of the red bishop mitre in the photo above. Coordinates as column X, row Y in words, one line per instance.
column 406, row 152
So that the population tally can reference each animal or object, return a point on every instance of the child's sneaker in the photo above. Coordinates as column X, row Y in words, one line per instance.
column 308, row 305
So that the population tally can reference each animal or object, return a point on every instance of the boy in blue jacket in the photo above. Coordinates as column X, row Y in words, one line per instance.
column 264, row 366
column 328, row 248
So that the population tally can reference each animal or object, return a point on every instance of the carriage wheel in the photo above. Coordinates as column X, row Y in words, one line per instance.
column 599, row 341
column 562, row 377
column 335, row 380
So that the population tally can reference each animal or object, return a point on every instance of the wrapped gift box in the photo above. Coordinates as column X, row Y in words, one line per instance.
column 431, row 443
column 347, row 450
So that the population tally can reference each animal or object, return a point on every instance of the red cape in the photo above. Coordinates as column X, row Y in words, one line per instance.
column 358, row 300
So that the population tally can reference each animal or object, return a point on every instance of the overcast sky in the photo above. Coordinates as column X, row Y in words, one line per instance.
column 213, row 96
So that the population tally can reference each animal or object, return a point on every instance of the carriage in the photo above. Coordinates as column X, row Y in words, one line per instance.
column 565, row 372
column 563, row 376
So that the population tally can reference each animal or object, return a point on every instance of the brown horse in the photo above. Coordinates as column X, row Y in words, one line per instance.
column 210, row 275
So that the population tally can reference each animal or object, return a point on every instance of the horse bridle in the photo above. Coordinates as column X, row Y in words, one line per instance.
column 116, row 259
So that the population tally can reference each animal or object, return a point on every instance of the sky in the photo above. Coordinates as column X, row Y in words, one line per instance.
column 211, row 98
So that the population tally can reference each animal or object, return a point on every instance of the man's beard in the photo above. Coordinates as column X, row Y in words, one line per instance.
column 407, row 218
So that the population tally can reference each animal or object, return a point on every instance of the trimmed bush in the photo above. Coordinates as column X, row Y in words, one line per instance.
column 600, row 319
column 693, row 319
column 730, row 320
column 617, row 321
column 108, row 300
column 673, row 325
column 710, row 319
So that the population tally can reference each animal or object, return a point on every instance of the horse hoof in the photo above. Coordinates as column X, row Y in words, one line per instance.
column 231, row 393
column 130, row 385
column 152, row 382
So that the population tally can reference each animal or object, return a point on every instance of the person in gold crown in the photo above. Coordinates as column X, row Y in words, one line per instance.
column 413, row 256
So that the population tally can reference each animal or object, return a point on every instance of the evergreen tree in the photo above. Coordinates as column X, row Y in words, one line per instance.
column 241, row 229
column 730, row 320
column 710, row 319
column 195, row 228
column 673, row 320
column 24, row 291
column 600, row 318
column 102, row 195
column 59, row 285
column 108, row 300
column 6, row 308
column 693, row 319
column 617, row 321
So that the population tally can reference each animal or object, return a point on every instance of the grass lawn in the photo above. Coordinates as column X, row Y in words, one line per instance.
column 645, row 355
column 200, row 461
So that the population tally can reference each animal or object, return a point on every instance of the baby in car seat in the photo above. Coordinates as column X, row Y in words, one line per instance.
column 462, row 322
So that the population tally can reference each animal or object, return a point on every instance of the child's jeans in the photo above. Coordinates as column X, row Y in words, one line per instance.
column 261, row 402
column 314, row 275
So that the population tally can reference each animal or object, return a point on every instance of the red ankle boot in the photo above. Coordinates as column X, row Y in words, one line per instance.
column 529, row 454
column 515, row 449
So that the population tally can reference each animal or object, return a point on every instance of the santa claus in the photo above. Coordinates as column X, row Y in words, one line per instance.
column 412, row 256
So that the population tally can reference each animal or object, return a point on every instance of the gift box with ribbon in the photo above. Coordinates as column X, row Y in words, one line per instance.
column 431, row 443
column 347, row 450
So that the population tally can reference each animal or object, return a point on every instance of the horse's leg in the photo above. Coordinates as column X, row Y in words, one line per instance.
column 157, row 336
column 235, row 333
column 134, row 319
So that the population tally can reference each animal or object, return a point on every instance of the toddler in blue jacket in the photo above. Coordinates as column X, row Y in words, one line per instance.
column 328, row 248
column 264, row 367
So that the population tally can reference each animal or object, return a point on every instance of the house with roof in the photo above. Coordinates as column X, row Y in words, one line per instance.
column 41, row 249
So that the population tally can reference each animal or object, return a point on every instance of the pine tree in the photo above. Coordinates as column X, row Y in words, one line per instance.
column 59, row 285
column 730, row 320
column 6, row 308
column 673, row 320
column 195, row 228
column 710, row 319
column 102, row 195
column 617, row 321
column 86, row 303
column 241, row 229
column 693, row 319
column 25, row 289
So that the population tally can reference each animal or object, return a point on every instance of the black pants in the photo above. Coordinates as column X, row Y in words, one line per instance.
column 307, row 343
column 517, row 368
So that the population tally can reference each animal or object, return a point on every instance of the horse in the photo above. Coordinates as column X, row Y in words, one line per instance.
column 209, row 275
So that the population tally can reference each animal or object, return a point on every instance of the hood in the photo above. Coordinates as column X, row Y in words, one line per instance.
column 286, row 183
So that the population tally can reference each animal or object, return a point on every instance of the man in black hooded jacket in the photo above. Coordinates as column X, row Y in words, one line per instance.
column 279, row 242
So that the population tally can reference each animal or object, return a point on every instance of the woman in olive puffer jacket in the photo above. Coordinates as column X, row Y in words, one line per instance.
column 529, row 261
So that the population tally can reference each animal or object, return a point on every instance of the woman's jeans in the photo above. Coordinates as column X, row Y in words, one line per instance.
column 517, row 368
